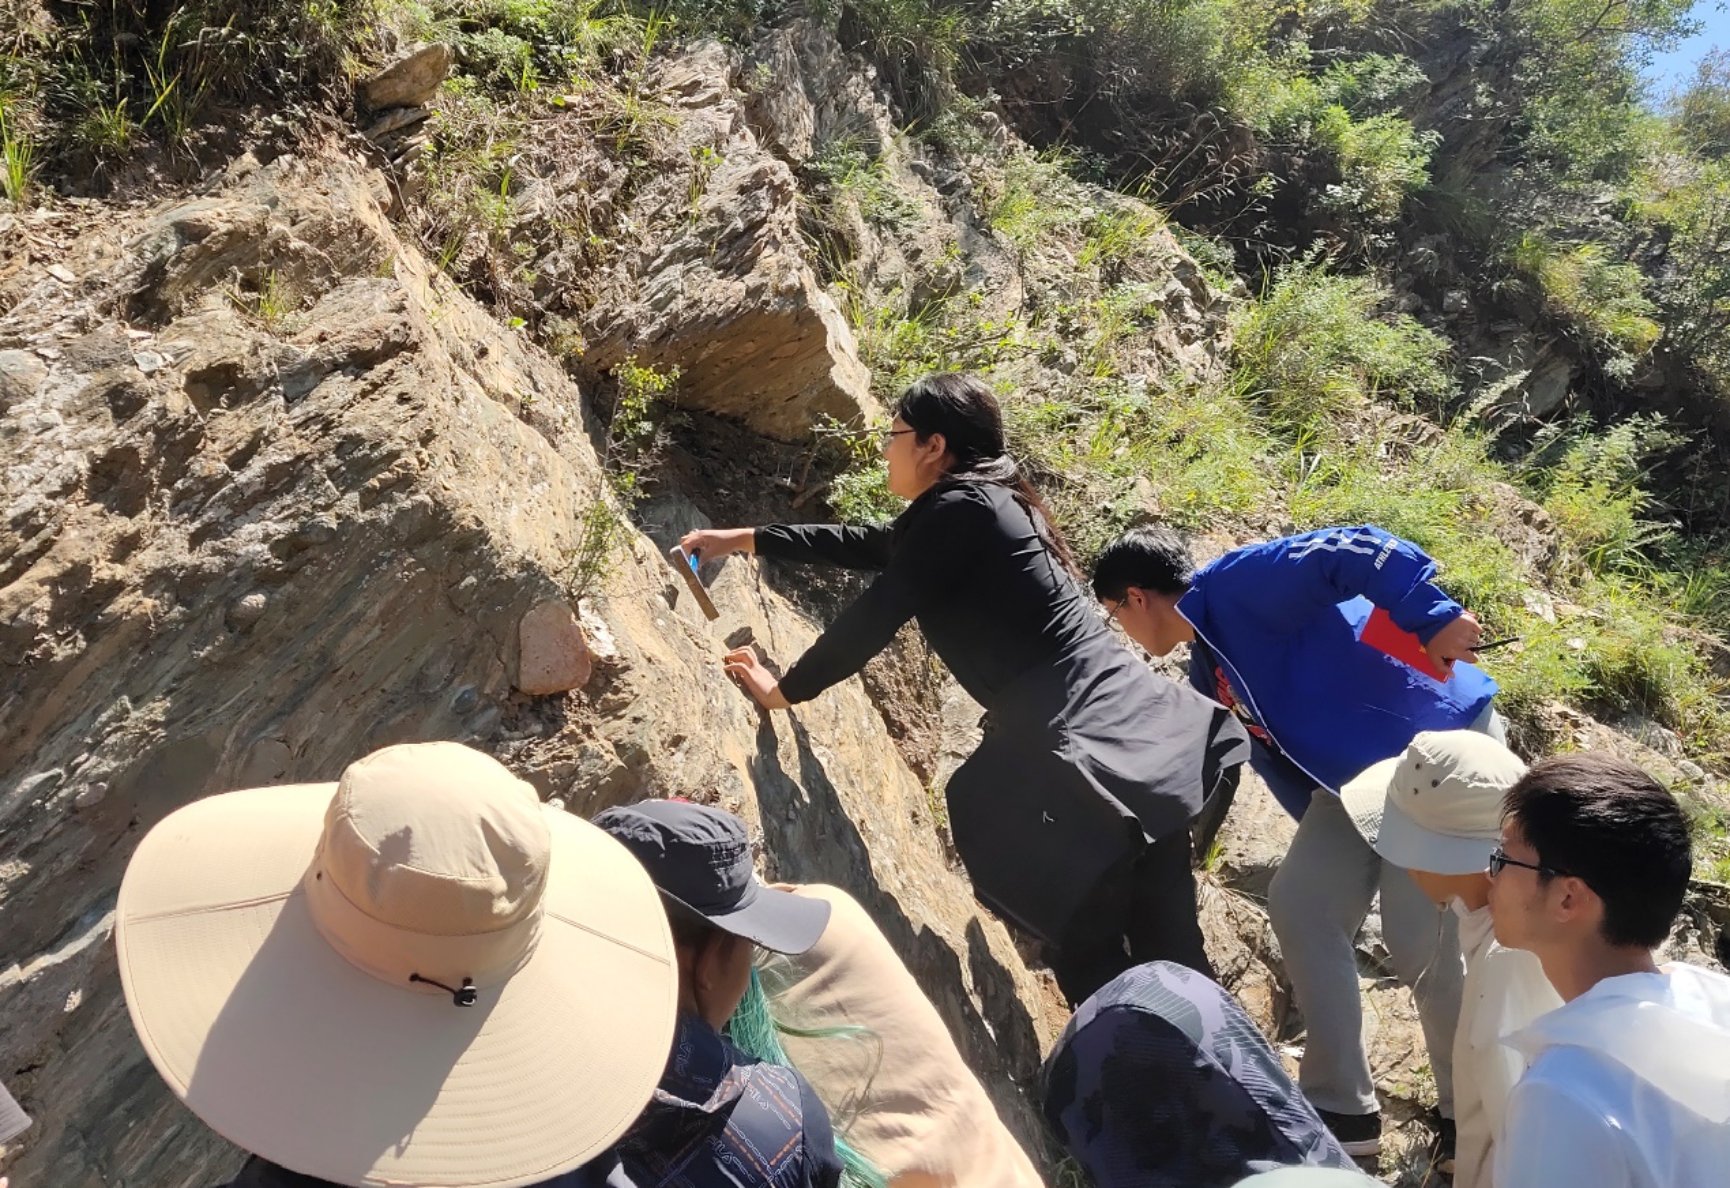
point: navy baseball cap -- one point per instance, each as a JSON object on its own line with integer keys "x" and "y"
{"x": 700, "y": 858}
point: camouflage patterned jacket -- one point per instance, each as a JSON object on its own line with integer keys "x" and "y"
{"x": 1162, "y": 1081}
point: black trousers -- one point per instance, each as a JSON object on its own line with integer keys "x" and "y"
{"x": 1142, "y": 910}
{"x": 1207, "y": 822}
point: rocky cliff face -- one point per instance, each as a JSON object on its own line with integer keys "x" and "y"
{"x": 244, "y": 548}
{"x": 277, "y": 492}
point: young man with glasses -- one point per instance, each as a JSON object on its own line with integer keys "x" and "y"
{"x": 1627, "y": 1084}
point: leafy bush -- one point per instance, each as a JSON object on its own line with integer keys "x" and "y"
{"x": 1168, "y": 51}
{"x": 1316, "y": 346}
{"x": 80, "y": 84}
{"x": 1032, "y": 196}
{"x": 859, "y": 493}
{"x": 17, "y": 159}
{"x": 1703, "y": 108}
{"x": 1121, "y": 238}
{"x": 1381, "y": 161}
{"x": 1595, "y": 497}
{"x": 1573, "y": 88}
{"x": 847, "y": 166}
{"x": 632, "y": 444}
{"x": 175, "y": 66}
{"x": 899, "y": 345}
{"x": 520, "y": 43}
{"x": 916, "y": 46}
{"x": 1603, "y": 299}
{"x": 1380, "y": 157}
{"x": 1687, "y": 206}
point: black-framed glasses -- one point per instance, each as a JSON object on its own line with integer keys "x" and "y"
{"x": 1110, "y": 606}
{"x": 890, "y": 435}
{"x": 1499, "y": 860}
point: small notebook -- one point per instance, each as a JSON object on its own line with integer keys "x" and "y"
{"x": 1384, "y": 636}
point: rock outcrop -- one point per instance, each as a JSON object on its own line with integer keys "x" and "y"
{"x": 705, "y": 269}
{"x": 249, "y": 540}
{"x": 408, "y": 82}
{"x": 278, "y": 493}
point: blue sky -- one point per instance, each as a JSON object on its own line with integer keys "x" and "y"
{"x": 1671, "y": 69}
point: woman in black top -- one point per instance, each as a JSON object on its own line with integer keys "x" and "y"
{"x": 1072, "y": 816}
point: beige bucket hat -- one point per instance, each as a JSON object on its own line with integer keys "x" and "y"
{"x": 1436, "y": 806}
{"x": 418, "y": 975}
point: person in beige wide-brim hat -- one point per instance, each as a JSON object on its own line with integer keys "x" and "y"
{"x": 418, "y": 975}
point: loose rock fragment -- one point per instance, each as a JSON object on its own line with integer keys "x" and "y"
{"x": 554, "y": 657}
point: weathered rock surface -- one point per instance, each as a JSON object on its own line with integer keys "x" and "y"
{"x": 707, "y": 271}
{"x": 805, "y": 93}
{"x": 286, "y": 544}
{"x": 410, "y": 81}
{"x": 245, "y": 544}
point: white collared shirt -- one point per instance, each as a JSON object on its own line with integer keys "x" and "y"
{"x": 1505, "y": 990}
{"x": 1628, "y": 1087}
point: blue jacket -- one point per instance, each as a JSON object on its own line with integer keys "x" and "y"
{"x": 1281, "y": 622}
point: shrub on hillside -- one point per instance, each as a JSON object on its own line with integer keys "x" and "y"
{"x": 1686, "y": 204}
{"x": 1595, "y": 496}
{"x": 1317, "y": 345}
{"x": 1380, "y": 157}
{"x": 916, "y": 46}
{"x": 83, "y": 84}
{"x": 1602, "y": 299}
{"x": 1703, "y": 108}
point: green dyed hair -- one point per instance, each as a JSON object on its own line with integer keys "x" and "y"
{"x": 757, "y": 1032}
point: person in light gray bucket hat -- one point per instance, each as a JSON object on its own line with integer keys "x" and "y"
{"x": 1435, "y": 810}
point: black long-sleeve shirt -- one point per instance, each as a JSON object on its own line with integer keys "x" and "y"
{"x": 1087, "y": 750}
{"x": 964, "y": 559}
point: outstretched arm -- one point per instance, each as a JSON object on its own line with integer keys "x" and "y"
{"x": 1284, "y": 582}
{"x": 851, "y": 546}
{"x": 930, "y": 560}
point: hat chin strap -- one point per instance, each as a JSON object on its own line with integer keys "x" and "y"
{"x": 418, "y": 962}
{"x": 464, "y": 995}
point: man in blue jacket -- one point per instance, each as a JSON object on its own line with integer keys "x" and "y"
{"x": 1335, "y": 647}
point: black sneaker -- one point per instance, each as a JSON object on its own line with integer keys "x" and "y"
{"x": 1359, "y": 1134}
{"x": 1444, "y": 1146}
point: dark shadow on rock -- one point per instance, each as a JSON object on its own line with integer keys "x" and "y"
{"x": 810, "y": 837}
{"x": 1005, "y": 1013}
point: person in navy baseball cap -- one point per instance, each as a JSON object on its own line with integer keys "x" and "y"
{"x": 721, "y": 1118}
{"x": 700, "y": 858}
